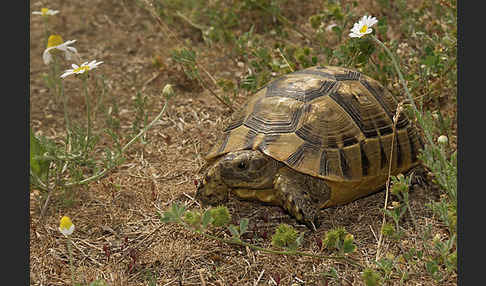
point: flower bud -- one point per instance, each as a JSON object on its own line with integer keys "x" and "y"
{"x": 442, "y": 139}
{"x": 168, "y": 91}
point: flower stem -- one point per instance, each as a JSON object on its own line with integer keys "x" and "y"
{"x": 46, "y": 30}
{"x": 52, "y": 80}
{"x": 88, "y": 128}
{"x": 70, "y": 259}
{"x": 64, "y": 99}
{"x": 403, "y": 82}
{"x": 145, "y": 129}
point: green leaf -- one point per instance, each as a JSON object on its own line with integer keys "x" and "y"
{"x": 38, "y": 165}
{"x": 168, "y": 217}
{"x": 234, "y": 231}
{"x": 285, "y": 236}
{"x": 348, "y": 244}
{"x": 371, "y": 277}
{"x": 221, "y": 216}
{"x": 177, "y": 210}
{"x": 451, "y": 261}
{"x": 332, "y": 273}
{"x": 243, "y": 225}
{"x": 431, "y": 60}
{"x": 332, "y": 238}
{"x": 432, "y": 267}
{"x": 206, "y": 218}
{"x": 193, "y": 218}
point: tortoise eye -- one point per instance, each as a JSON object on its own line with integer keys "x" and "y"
{"x": 242, "y": 165}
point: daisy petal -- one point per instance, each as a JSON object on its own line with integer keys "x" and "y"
{"x": 363, "y": 26}
{"x": 46, "y": 56}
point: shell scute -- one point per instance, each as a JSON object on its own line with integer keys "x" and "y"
{"x": 329, "y": 122}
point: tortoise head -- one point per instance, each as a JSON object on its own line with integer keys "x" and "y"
{"x": 244, "y": 172}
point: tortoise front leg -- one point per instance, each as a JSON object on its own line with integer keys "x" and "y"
{"x": 301, "y": 195}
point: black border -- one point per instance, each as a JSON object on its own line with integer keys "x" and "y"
{"x": 470, "y": 177}
{"x": 15, "y": 123}
{"x": 24, "y": 161}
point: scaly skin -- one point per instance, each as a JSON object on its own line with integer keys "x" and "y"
{"x": 252, "y": 175}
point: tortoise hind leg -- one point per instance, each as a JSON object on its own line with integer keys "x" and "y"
{"x": 301, "y": 195}
{"x": 419, "y": 177}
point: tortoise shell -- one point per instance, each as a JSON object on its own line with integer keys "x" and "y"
{"x": 329, "y": 122}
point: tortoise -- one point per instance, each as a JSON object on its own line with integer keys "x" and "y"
{"x": 311, "y": 139}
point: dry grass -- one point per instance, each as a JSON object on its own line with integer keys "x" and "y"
{"x": 123, "y": 220}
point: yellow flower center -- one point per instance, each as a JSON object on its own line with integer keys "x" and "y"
{"x": 363, "y": 29}
{"x": 81, "y": 69}
{"x": 44, "y": 11}
{"x": 66, "y": 223}
{"x": 54, "y": 40}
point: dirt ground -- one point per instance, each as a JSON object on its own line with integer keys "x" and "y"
{"x": 117, "y": 214}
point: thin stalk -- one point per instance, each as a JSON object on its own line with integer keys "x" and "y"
{"x": 403, "y": 82}
{"x": 88, "y": 128}
{"x": 387, "y": 192}
{"x": 66, "y": 117}
{"x": 145, "y": 128}
{"x": 52, "y": 80}
{"x": 46, "y": 29}
{"x": 201, "y": 82}
{"x": 101, "y": 97}
{"x": 285, "y": 59}
{"x": 68, "y": 242}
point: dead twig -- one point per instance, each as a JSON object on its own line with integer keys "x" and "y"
{"x": 387, "y": 192}
{"x": 203, "y": 282}
{"x": 259, "y": 277}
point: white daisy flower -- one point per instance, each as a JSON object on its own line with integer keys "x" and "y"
{"x": 81, "y": 69}
{"x": 66, "y": 226}
{"x": 55, "y": 42}
{"x": 363, "y": 27}
{"x": 45, "y": 12}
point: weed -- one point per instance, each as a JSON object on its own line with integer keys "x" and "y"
{"x": 285, "y": 236}
{"x": 339, "y": 239}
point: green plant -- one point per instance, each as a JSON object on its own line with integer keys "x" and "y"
{"x": 141, "y": 116}
{"x": 285, "y": 236}
{"x": 371, "y": 277}
{"x": 339, "y": 239}
{"x": 59, "y": 167}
